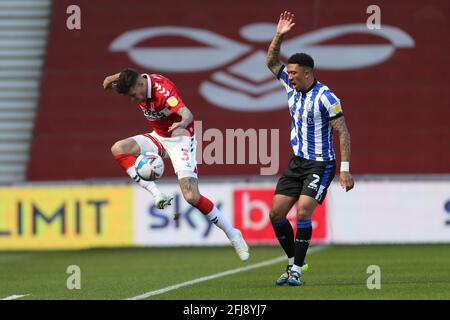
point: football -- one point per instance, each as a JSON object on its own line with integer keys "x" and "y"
{"x": 149, "y": 166}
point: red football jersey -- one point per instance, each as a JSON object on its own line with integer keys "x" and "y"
{"x": 163, "y": 101}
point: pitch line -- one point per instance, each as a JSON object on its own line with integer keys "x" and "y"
{"x": 15, "y": 296}
{"x": 219, "y": 275}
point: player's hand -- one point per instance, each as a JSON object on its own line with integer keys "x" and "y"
{"x": 178, "y": 129}
{"x": 176, "y": 125}
{"x": 346, "y": 181}
{"x": 110, "y": 82}
{"x": 285, "y": 23}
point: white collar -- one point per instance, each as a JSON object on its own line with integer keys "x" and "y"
{"x": 149, "y": 85}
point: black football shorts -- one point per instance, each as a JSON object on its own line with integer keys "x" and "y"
{"x": 307, "y": 177}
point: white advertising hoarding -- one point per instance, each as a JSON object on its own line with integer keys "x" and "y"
{"x": 154, "y": 227}
{"x": 390, "y": 212}
{"x": 373, "y": 212}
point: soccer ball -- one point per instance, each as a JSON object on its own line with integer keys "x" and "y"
{"x": 149, "y": 166}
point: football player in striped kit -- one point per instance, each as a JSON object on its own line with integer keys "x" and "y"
{"x": 315, "y": 111}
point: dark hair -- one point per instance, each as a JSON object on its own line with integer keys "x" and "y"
{"x": 302, "y": 59}
{"x": 127, "y": 79}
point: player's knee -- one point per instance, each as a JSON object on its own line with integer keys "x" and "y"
{"x": 191, "y": 197}
{"x": 126, "y": 146}
{"x": 303, "y": 213}
{"x": 117, "y": 148}
{"x": 274, "y": 216}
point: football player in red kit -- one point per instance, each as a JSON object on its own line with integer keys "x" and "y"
{"x": 173, "y": 137}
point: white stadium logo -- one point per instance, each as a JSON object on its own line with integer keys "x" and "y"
{"x": 247, "y": 85}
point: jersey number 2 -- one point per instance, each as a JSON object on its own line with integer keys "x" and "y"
{"x": 314, "y": 182}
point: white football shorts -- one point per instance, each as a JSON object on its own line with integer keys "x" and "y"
{"x": 181, "y": 150}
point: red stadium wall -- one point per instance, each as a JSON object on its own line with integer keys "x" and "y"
{"x": 393, "y": 90}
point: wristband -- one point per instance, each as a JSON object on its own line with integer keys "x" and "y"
{"x": 345, "y": 166}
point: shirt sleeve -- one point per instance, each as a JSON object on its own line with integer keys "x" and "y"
{"x": 169, "y": 97}
{"x": 284, "y": 78}
{"x": 332, "y": 104}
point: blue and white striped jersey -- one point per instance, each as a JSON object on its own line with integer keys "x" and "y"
{"x": 311, "y": 112}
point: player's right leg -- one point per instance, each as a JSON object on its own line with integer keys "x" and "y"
{"x": 281, "y": 205}
{"x": 126, "y": 151}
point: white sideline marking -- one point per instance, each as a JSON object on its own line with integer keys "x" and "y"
{"x": 219, "y": 275}
{"x": 16, "y": 296}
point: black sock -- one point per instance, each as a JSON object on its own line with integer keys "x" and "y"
{"x": 304, "y": 233}
{"x": 285, "y": 235}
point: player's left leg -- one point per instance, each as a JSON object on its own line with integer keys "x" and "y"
{"x": 182, "y": 153}
{"x": 306, "y": 206}
{"x": 189, "y": 187}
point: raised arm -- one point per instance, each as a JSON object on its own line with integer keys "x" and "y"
{"x": 273, "y": 54}
{"x": 345, "y": 178}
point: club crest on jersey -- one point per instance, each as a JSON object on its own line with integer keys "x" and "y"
{"x": 337, "y": 108}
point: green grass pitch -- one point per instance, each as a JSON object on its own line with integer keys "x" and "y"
{"x": 336, "y": 272}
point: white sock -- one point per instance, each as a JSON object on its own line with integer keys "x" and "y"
{"x": 150, "y": 186}
{"x": 291, "y": 261}
{"x": 216, "y": 217}
{"x": 297, "y": 268}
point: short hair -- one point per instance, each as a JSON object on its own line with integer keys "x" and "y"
{"x": 302, "y": 59}
{"x": 127, "y": 78}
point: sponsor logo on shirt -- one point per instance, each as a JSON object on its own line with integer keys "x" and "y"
{"x": 151, "y": 115}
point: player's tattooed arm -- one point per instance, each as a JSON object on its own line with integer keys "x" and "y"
{"x": 273, "y": 54}
{"x": 345, "y": 178}
{"x": 178, "y": 128}
{"x": 339, "y": 125}
{"x": 186, "y": 116}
